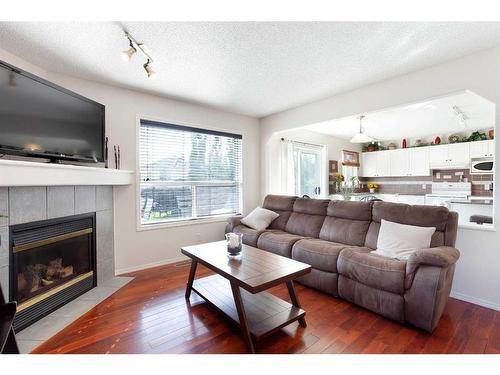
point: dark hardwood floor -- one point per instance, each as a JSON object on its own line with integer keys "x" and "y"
{"x": 150, "y": 315}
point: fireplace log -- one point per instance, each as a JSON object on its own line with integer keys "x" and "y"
{"x": 46, "y": 282}
{"x": 33, "y": 275}
{"x": 22, "y": 284}
{"x": 54, "y": 269}
{"x": 67, "y": 271}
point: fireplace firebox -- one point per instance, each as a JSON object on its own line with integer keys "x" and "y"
{"x": 52, "y": 262}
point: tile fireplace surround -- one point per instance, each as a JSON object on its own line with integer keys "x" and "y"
{"x": 27, "y": 204}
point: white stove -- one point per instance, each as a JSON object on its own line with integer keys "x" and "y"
{"x": 445, "y": 192}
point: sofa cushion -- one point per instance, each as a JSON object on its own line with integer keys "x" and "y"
{"x": 399, "y": 241}
{"x": 347, "y": 222}
{"x": 307, "y": 217}
{"x": 283, "y": 206}
{"x": 423, "y": 216}
{"x": 320, "y": 254}
{"x": 278, "y": 242}
{"x": 373, "y": 270}
{"x": 259, "y": 218}
{"x": 250, "y": 236}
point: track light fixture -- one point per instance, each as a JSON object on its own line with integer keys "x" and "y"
{"x": 151, "y": 73}
{"x": 135, "y": 47}
{"x": 460, "y": 115}
{"x": 128, "y": 53}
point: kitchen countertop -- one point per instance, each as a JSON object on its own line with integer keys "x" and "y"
{"x": 475, "y": 199}
{"x": 485, "y": 202}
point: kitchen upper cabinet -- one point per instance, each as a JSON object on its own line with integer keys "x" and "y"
{"x": 491, "y": 147}
{"x": 375, "y": 164}
{"x": 399, "y": 162}
{"x": 438, "y": 155}
{"x": 479, "y": 149}
{"x": 409, "y": 162}
{"x": 383, "y": 164}
{"x": 419, "y": 161}
{"x": 369, "y": 164}
{"x": 482, "y": 149}
{"x": 454, "y": 155}
{"x": 458, "y": 154}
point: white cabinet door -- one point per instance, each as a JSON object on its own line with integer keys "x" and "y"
{"x": 399, "y": 162}
{"x": 479, "y": 149}
{"x": 383, "y": 164}
{"x": 438, "y": 155}
{"x": 458, "y": 154}
{"x": 419, "y": 161}
{"x": 369, "y": 164}
{"x": 491, "y": 147}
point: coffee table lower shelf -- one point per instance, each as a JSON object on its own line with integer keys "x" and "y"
{"x": 265, "y": 313}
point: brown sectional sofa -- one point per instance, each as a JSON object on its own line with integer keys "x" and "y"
{"x": 337, "y": 237}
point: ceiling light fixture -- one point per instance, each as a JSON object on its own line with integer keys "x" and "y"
{"x": 127, "y": 54}
{"x": 361, "y": 137}
{"x": 461, "y": 116}
{"x": 151, "y": 73}
{"x": 135, "y": 46}
{"x": 12, "y": 79}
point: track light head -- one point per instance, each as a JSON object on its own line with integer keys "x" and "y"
{"x": 12, "y": 80}
{"x": 128, "y": 53}
{"x": 147, "y": 67}
{"x": 135, "y": 46}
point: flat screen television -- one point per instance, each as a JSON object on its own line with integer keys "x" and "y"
{"x": 41, "y": 119}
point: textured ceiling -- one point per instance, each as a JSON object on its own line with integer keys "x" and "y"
{"x": 417, "y": 120}
{"x": 253, "y": 68}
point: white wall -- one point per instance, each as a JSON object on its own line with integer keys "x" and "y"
{"x": 133, "y": 249}
{"x": 333, "y": 145}
{"x": 477, "y": 276}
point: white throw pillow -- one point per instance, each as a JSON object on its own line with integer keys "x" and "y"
{"x": 400, "y": 241}
{"x": 259, "y": 218}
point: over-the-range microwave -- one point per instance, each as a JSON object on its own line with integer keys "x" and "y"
{"x": 481, "y": 166}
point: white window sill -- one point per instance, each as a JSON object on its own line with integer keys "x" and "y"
{"x": 182, "y": 223}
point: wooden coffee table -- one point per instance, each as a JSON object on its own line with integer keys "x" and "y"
{"x": 237, "y": 289}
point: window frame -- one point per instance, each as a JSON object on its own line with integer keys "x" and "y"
{"x": 181, "y": 222}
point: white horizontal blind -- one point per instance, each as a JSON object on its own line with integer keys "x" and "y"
{"x": 188, "y": 173}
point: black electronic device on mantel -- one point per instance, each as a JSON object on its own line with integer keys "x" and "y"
{"x": 41, "y": 119}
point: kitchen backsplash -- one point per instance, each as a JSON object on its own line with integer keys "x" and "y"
{"x": 422, "y": 185}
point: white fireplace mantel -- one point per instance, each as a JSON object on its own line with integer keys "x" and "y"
{"x": 27, "y": 173}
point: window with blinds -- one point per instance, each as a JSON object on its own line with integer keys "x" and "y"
{"x": 188, "y": 173}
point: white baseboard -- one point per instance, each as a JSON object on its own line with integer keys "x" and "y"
{"x": 150, "y": 265}
{"x": 474, "y": 300}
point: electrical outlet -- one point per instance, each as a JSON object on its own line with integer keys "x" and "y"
{"x": 424, "y": 186}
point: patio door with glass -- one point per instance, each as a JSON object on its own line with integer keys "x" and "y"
{"x": 308, "y": 170}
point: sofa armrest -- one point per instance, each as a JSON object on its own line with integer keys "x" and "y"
{"x": 429, "y": 277}
{"x": 441, "y": 256}
{"x": 232, "y": 222}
